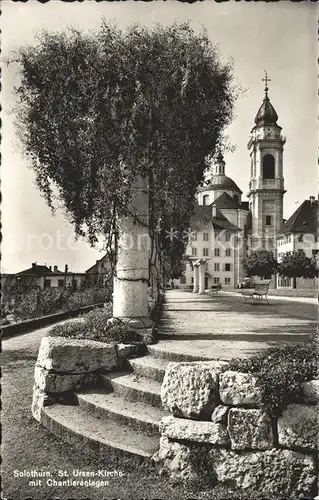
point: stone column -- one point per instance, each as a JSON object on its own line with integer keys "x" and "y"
{"x": 196, "y": 277}
{"x": 201, "y": 278}
{"x": 130, "y": 297}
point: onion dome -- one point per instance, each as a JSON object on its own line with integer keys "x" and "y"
{"x": 266, "y": 114}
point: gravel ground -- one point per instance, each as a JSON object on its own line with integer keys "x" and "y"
{"x": 27, "y": 446}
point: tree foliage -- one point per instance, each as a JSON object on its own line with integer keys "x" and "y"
{"x": 260, "y": 263}
{"x": 297, "y": 265}
{"x": 97, "y": 109}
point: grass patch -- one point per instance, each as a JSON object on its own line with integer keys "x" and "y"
{"x": 95, "y": 326}
{"x": 280, "y": 372}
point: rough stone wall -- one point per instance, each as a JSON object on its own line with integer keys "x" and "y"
{"x": 217, "y": 415}
{"x": 65, "y": 365}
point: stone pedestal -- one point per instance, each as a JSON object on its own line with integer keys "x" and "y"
{"x": 196, "y": 278}
{"x": 130, "y": 297}
{"x": 201, "y": 289}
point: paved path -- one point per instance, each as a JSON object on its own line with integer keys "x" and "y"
{"x": 225, "y": 327}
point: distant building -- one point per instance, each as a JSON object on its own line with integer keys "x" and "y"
{"x": 42, "y": 276}
{"x": 300, "y": 232}
{"x": 100, "y": 273}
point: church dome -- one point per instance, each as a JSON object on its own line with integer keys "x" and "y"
{"x": 222, "y": 182}
{"x": 266, "y": 114}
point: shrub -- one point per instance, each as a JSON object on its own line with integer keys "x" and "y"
{"x": 37, "y": 303}
{"x": 71, "y": 329}
{"x": 94, "y": 326}
{"x": 280, "y": 372}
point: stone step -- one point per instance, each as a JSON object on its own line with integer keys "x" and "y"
{"x": 163, "y": 353}
{"x": 149, "y": 367}
{"x": 133, "y": 387}
{"x": 134, "y": 414}
{"x": 105, "y": 438}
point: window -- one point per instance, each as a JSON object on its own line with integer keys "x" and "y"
{"x": 194, "y": 236}
{"x": 205, "y": 236}
{"x": 60, "y": 283}
{"x": 227, "y": 267}
{"x": 228, "y": 252}
{"x": 227, "y": 236}
{"x": 194, "y": 252}
{"x": 236, "y": 198}
{"x": 47, "y": 283}
{"x": 216, "y": 252}
{"x": 268, "y": 220}
{"x": 216, "y": 281}
{"x": 284, "y": 282}
{"x": 205, "y": 252}
{"x": 300, "y": 238}
{"x": 216, "y": 266}
{"x": 205, "y": 199}
{"x": 182, "y": 280}
{"x": 268, "y": 167}
{"x": 192, "y": 281}
{"x": 227, "y": 281}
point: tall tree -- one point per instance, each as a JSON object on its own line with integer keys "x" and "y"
{"x": 95, "y": 110}
{"x": 297, "y": 265}
{"x": 260, "y": 263}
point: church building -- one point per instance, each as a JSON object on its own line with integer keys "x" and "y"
{"x": 224, "y": 229}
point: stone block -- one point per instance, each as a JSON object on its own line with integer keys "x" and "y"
{"x": 39, "y": 400}
{"x": 66, "y": 355}
{"x": 194, "y": 430}
{"x": 180, "y": 461}
{"x": 190, "y": 390}
{"x": 220, "y": 413}
{"x": 238, "y": 389}
{"x": 282, "y": 472}
{"x": 51, "y": 382}
{"x": 298, "y": 427}
{"x": 249, "y": 429}
{"x": 310, "y": 392}
{"x": 127, "y": 351}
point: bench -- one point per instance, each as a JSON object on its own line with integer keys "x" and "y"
{"x": 258, "y": 293}
{"x": 215, "y": 289}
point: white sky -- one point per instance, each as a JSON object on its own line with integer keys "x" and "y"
{"x": 279, "y": 37}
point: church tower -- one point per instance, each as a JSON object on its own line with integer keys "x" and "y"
{"x": 266, "y": 186}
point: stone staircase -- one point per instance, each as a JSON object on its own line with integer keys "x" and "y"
{"x": 121, "y": 415}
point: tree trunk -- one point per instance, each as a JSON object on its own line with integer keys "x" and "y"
{"x": 294, "y": 282}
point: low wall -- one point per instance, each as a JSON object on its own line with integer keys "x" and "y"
{"x": 217, "y": 430}
{"x": 26, "y": 326}
{"x": 65, "y": 365}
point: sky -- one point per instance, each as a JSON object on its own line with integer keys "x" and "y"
{"x": 256, "y": 36}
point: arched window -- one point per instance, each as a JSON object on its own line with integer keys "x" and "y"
{"x": 268, "y": 167}
{"x": 205, "y": 199}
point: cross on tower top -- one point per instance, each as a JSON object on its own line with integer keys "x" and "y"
{"x": 266, "y": 80}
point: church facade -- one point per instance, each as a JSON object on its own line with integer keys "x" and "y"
{"x": 224, "y": 229}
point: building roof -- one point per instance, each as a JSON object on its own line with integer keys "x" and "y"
{"x": 225, "y": 201}
{"x": 266, "y": 114}
{"x": 303, "y": 220}
{"x": 204, "y": 213}
{"x": 36, "y": 270}
{"x": 221, "y": 182}
{"x": 102, "y": 259}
